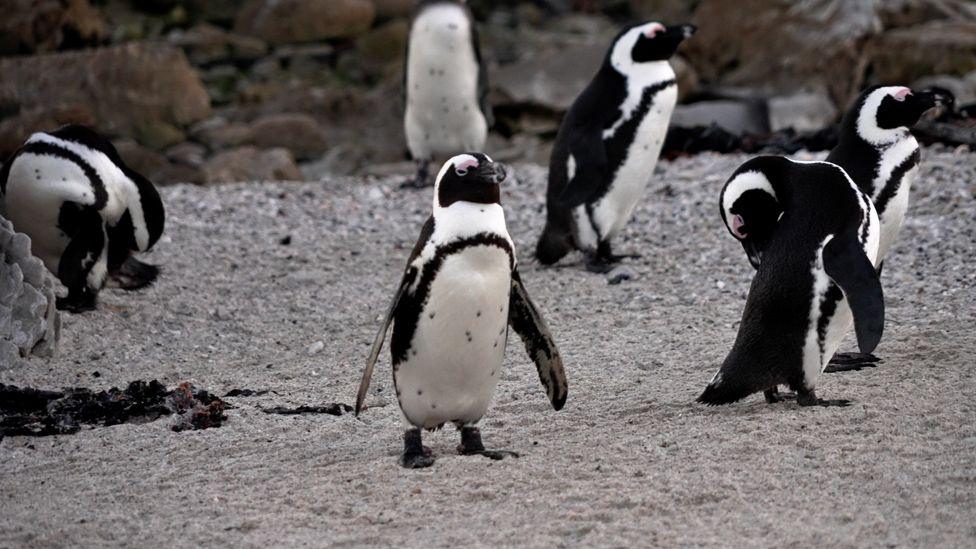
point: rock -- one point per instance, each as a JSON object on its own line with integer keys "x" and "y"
{"x": 29, "y": 322}
{"x": 187, "y": 153}
{"x": 206, "y": 44}
{"x": 299, "y": 133}
{"x": 32, "y": 26}
{"x": 218, "y": 134}
{"x": 380, "y": 52}
{"x": 161, "y": 169}
{"x": 740, "y": 117}
{"x": 147, "y": 91}
{"x": 669, "y": 12}
{"x": 803, "y": 111}
{"x": 937, "y": 47}
{"x": 550, "y": 79}
{"x": 251, "y": 164}
{"x": 14, "y": 130}
{"x": 686, "y": 76}
{"x": 291, "y": 21}
{"x": 621, "y": 273}
{"x": 388, "y": 9}
{"x": 778, "y": 50}
{"x": 907, "y": 13}
{"x": 315, "y": 348}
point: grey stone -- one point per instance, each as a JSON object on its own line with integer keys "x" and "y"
{"x": 29, "y": 321}
{"x": 740, "y": 117}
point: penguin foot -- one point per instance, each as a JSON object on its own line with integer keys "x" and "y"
{"x": 847, "y": 362}
{"x": 809, "y": 398}
{"x": 773, "y": 396}
{"x": 133, "y": 275}
{"x": 415, "y": 454}
{"x": 471, "y": 445}
{"x": 76, "y": 302}
{"x": 421, "y": 179}
{"x": 596, "y": 264}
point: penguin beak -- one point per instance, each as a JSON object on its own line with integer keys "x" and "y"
{"x": 686, "y": 30}
{"x": 753, "y": 252}
{"x": 495, "y": 173}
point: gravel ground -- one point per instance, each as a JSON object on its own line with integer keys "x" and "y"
{"x": 631, "y": 460}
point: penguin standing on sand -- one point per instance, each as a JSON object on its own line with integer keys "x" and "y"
{"x": 609, "y": 143}
{"x": 459, "y": 294}
{"x": 817, "y": 269}
{"x": 445, "y": 85}
{"x": 85, "y": 211}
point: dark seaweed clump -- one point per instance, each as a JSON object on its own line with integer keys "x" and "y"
{"x": 36, "y": 412}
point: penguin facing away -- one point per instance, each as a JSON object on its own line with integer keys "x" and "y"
{"x": 817, "y": 270}
{"x": 445, "y": 84}
{"x": 85, "y": 211}
{"x": 608, "y": 145}
{"x": 459, "y": 294}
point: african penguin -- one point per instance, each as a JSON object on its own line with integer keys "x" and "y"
{"x": 445, "y": 85}
{"x": 85, "y": 211}
{"x": 817, "y": 269}
{"x": 879, "y": 153}
{"x": 608, "y": 145}
{"x": 459, "y": 294}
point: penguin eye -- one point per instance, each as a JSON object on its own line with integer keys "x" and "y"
{"x": 461, "y": 171}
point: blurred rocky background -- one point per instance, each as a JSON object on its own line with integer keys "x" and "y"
{"x": 207, "y": 91}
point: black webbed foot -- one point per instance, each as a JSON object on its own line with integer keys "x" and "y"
{"x": 77, "y": 301}
{"x": 421, "y": 179}
{"x": 133, "y": 274}
{"x": 471, "y": 445}
{"x": 848, "y": 362}
{"x": 809, "y": 398}
{"x": 415, "y": 454}
{"x": 596, "y": 264}
{"x": 773, "y": 395}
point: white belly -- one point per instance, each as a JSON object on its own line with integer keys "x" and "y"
{"x": 457, "y": 352}
{"x": 894, "y": 214}
{"x": 36, "y": 189}
{"x": 614, "y": 209}
{"x": 443, "y": 116}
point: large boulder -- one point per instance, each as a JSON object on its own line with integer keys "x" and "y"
{"x": 144, "y": 90}
{"x": 291, "y": 21}
{"x": 779, "y": 47}
{"x": 299, "y": 133}
{"x": 251, "y": 164}
{"x": 29, "y": 322}
{"x": 31, "y": 26}
{"x": 937, "y": 47}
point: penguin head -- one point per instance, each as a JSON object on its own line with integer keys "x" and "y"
{"x": 153, "y": 212}
{"x": 749, "y": 204}
{"x": 647, "y": 42}
{"x": 469, "y": 177}
{"x": 884, "y": 113}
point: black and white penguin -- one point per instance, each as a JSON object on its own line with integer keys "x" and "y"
{"x": 609, "y": 143}
{"x": 816, "y": 270}
{"x": 445, "y": 85}
{"x": 85, "y": 211}
{"x": 459, "y": 294}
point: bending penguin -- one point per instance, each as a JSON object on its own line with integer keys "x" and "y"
{"x": 609, "y": 143}
{"x": 445, "y": 85}
{"x": 459, "y": 294}
{"x": 85, "y": 211}
{"x": 817, "y": 269}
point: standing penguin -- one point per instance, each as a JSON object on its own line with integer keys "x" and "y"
{"x": 817, "y": 268}
{"x": 460, "y": 292}
{"x": 609, "y": 143}
{"x": 445, "y": 85}
{"x": 85, "y": 211}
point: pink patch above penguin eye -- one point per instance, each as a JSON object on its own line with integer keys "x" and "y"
{"x": 653, "y": 30}
{"x": 463, "y": 167}
{"x": 901, "y": 94}
{"x": 737, "y": 224}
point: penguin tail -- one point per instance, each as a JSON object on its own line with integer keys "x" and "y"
{"x": 725, "y": 389}
{"x": 134, "y": 274}
{"x": 553, "y": 245}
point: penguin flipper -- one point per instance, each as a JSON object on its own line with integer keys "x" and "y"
{"x": 409, "y": 274}
{"x": 848, "y": 266}
{"x": 528, "y": 323}
{"x": 588, "y": 153}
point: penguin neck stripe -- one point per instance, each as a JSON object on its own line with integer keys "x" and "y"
{"x": 894, "y": 182}
{"x": 43, "y": 148}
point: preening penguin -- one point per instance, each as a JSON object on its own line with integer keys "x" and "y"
{"x": 816, "y": 269}
{"x": 459, "y": 294}
{"x": 85, "y": 211}
{"x": 445, "y": 85}
{"x": 609, "y": 143}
